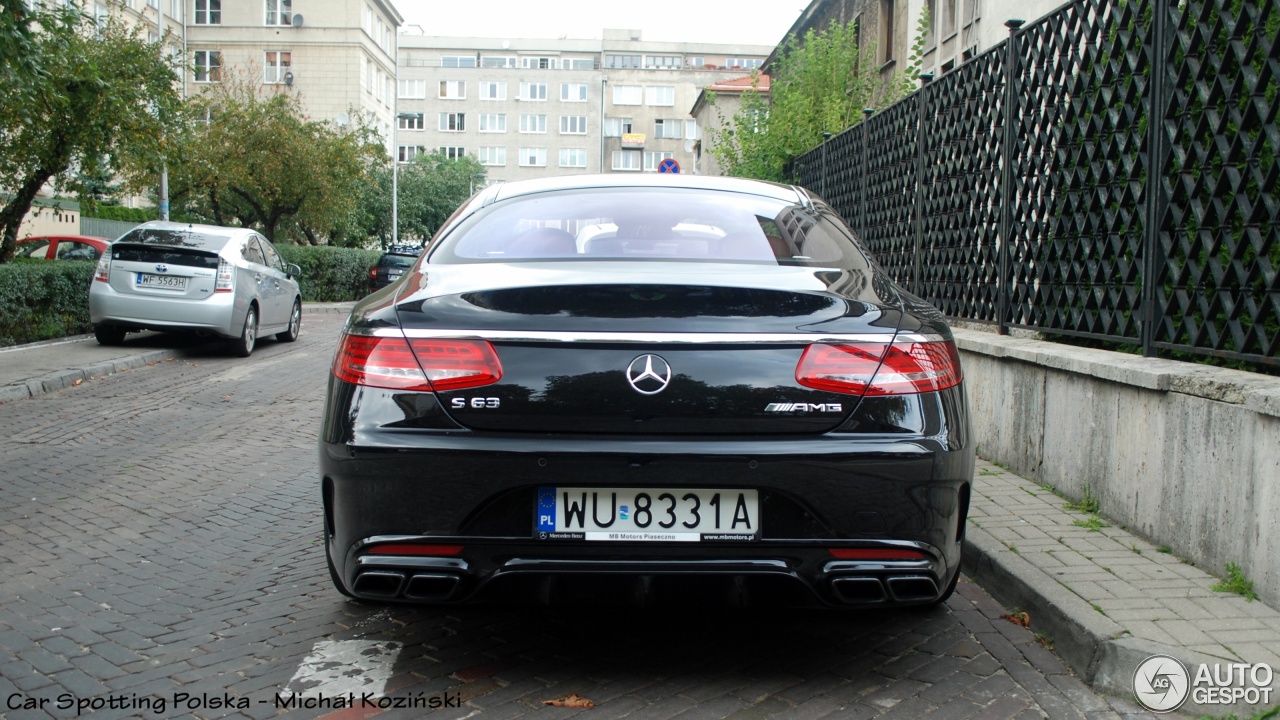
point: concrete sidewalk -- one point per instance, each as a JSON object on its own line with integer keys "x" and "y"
{"x": 1104, "y": 598}
{"x": 30, "y": 370}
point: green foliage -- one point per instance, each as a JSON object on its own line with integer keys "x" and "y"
{"x": 331, "y": 274}
{"x": 1087, "y": 504}
{"x": 93, "y": 98}
{"x": 117, "y": 212}
{"x": 820, "y": 84}
{"x": 1236, "y": 583}
{"x": 258, "y": 162}
{"x": 430, "y": 189}
{"x": 43, "y": 300}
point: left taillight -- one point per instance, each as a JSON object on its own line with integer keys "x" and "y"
{"x": 878, "y": 369}
{"x": 102, "y": 273}
{"x": 418, "y": 364}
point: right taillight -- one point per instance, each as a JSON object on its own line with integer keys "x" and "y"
{"x": 102, "y": 273}
{"x": 899, "y": 368}
{"x": 226, "y": 280}
{"x": 419, "y": 364}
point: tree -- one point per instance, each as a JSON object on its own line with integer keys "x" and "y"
{"x": 249, "y": 157}
{"x": 430, "y": 189}
{"x": 88, "y": 97}
{"x": 816, "y": 86}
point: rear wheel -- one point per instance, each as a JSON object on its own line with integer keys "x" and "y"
{"x": 295, "y": 324}
{"x": 243, "y": 346}
{"x": 108, "y": 334}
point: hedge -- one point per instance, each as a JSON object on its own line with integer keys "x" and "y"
{"x": 40, "y": 300}
{"x": 118, "y": 212}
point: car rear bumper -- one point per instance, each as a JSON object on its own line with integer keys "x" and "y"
{"x": 219, "y": 313}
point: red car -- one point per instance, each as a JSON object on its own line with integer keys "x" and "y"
{"x": 62, "y": 247}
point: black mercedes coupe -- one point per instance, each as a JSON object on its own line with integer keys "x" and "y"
{"x": 646, "y": 388}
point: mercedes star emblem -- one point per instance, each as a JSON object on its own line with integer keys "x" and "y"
{"x": 649, "y": 374}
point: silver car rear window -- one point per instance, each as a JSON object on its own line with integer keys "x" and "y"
{"x": 176, "y": 237}
{"x": 167, "y": 255}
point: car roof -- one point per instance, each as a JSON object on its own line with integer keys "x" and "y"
{"x": 76, "y": 238}
{"x": 211, "y": 237}
{"x": 516, "y": 188}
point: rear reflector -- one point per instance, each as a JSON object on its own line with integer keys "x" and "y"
{"x": 102, "y": 273}
{"x": 876, "y": 369}
{"x": 877, "y": 554}
{"x": 418, "y": 364}
{"x": 413, "y": 549}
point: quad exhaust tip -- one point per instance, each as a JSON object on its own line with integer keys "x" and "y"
{"x": 393, "y": 584}
{"x": 871, "y": 590}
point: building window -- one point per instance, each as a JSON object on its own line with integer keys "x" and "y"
{"x": 626, "y": 159}
{"x": 207, "y": 66}
{"x": 407, "y": 153}
{"x": 415, "y": 121}
{"x": 665, "y": 62}
{"x": 453, "y": 90}
{"x": 622, "y": 61}
{"x": 537, "y": 63}
{"x": 498, "y": 61}
{"x": 453, "y": 122}
{"x": 573, "y": 124}
{"x": 573, "y": 158}
{"x": 278, "y": 12}
{"x": 886, "y": 30}
{"x": 660, "y": 95}
{"x": 533, "y": 157}
{"x": 616, "y": 127}
{"x": 743, "y": 63}
{"x": 628, "y": 95}
{"x": 412, "y": 89}
{"x": 573, "y": 92}
{"x": 208, "y": 12}
{"x": 493, "y": 91}
{"x": 368, "y": 21}
{"x": 533, "y": 123}
{"x": 493, "y": 123}
{"x": 496, "y": 156}
{"x": 651, "y": 160}
{"x": 695, "y": 61}
{"x": 277, "y": 64}
{"x": 453, "y": 153}
{"x": 666, "y": 128}
{"x": 533, "y": 91}
{"x": 578, "y": 64}
{"x": 458, "y": 61}
{"x": 691, "y": 130}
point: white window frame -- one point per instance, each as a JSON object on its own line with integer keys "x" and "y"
{"x": 624, "y": 125}
{"x": 614, "y": 61}
{"x": 407, "y": 153}
{"x": 660, "y": 95}
{"x": 668, "y": 128}
{"x": 663, "y": 62}
{"x": 573, "y": 124}
{"x": 212, "y": 66}
{"x": 493, "y": 122}
{"x": 542, "y": 62}
{"x": 653, "y": 157}
{"x": 533, "y": 91}
{"x": 533, "y": 157}
{"x": 280, "y": 16}
{"x": 632, "y": 160}
{"x": 533, "y": 124}
{"x": 452, "y": 152}
{"x": 628, "y": 95}
{"x": 453, "y": 90}
{"x": 499, "y": 61}
{"x": 578, "y": 64}
{"x": 413, "y": 121}
{"x": 453, "y": 122}
{"x": 573, "y": 92}
{"x": 274, "y": 72}
{"x": 458, "y": 61}
{"x": 208, "y": 12}
{"x": 493, "y": 90}
{"x": 493, "y": 156}
{"x": 573, "y": 157}
{"x": 413, "y": 89}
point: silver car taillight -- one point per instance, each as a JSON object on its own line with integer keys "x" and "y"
{"x": 103, "y": 272}
{"x": 226, "y": 277}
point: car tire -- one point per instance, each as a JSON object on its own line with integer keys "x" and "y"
{"x": 243, "y": 346}
{"x": 295, "y": 324}
{"x": 108, "y": 334}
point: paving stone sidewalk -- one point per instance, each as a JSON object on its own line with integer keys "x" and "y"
{"x": 1107, "y": 597}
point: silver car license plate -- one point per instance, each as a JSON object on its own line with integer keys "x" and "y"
{"x": 646, "y": 514}
{"x": 168, "y": 282}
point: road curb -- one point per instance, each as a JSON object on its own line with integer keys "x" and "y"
{"x": 61, "y": 379}
{"x": 1100, "y": 651}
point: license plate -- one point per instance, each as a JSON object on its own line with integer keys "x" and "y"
{"x": 646, "y": 514}
{"x": 171, "y": 282}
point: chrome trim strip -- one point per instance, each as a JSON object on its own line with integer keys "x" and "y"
{"x": 643, "y": 337}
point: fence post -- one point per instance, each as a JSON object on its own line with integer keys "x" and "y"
{"x": 921, "y": 154}
{"x": 822, "y": 183}
{"x": 1155, "y": 177}
{"x": 1007, "y": 195}
{"x": 862, "y": 181}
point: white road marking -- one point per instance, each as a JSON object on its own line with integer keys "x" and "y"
{"x": 338, "y": 667}
{"x": 243, "y": 369}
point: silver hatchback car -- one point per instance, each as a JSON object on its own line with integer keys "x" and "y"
{"x": 228, "y": 282}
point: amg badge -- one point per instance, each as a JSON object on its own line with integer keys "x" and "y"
{"x": 803, "y": 407}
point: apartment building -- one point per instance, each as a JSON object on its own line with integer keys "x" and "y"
{"x": 535, "y": 107}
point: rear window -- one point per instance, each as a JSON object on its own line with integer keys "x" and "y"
{"x": 167, "y": 255}
{"x": 178, "y": 238}
{"x": 396, "y": 261}
{"x": 647, "y": 224}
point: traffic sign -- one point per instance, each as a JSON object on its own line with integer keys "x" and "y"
{"x": 669, "y": 165}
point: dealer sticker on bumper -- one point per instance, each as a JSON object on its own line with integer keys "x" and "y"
{"x": 646, "y": 514}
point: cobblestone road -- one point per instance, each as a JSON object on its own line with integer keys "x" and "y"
{"x": 159, "y": 539}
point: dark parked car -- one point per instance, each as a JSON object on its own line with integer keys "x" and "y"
{"x": 674, "y": 386}
{"x": 391, "y": 265}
